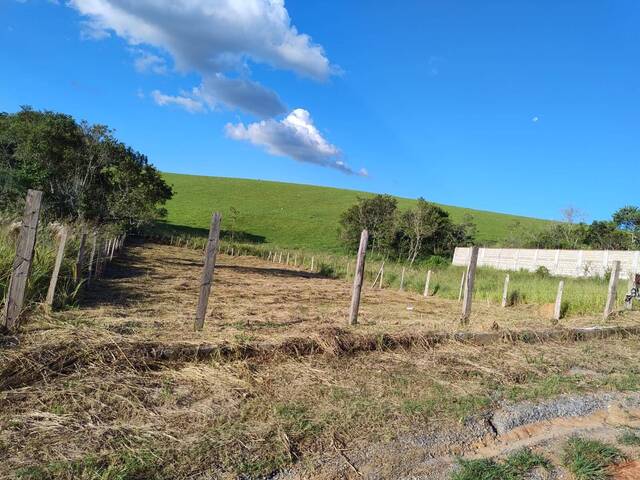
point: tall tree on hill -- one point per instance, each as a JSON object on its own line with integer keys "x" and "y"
{"x": 377, "y": 215}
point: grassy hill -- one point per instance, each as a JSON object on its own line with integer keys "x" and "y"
{"x": 293, "y": 215}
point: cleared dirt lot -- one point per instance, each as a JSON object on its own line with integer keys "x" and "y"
{"x": 84, "y": 391}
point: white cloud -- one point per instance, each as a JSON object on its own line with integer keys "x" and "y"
{"x": 148, "y": 62}
{"x": 189, "y": 104}
{"x": 214, "y": 38}
{"x": 535, "y": 119}
{"x": 296, "y": 137}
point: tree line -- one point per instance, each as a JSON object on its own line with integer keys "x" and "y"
{"x": 86, "y": 174}
{"x": 621, "y": 232}
{"x": 417, "y": 233}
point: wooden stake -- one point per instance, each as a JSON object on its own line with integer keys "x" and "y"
{"x": 468, "y": 288}
{"x": 312, "y": 263}
{"x": 358, "y": 278}
{"x": 463, "y": 281}
{"x": 22, "y": 262}
{"x": 381, "y": 275}
{"x": 402, "y": 280}
{"x": 92, "y": 257}
{"x": 426, "y": 284}
{"x": 557, "y": 309}
{"x": 505, "y": 291}
{"x": 80, "y": 258}
{"x": 380, "y": 271}
{"x": 207, "y": 271}
{"x": 613, "y": 290}
{"x": 56, "y": 268}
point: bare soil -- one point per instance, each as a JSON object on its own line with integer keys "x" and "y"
{"x": 93, "y": 390}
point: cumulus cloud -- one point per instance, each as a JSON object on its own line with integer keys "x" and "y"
{"x": 215, "y": 38}
{"x": 296, "y": 137}
{"x": 189, "y": 104}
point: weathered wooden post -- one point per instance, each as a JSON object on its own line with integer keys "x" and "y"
{"x": 80, "y": 259}
{"x": 557, "y": 309}
{"x": 402, "y": 279}
{"x": 207, "y": 272}
{"x": 426, "y": 284}
{"x": 92, "y": 257}
{"x": 505, "y": 291}
{"x": 463, "y": 281}
{"x": 613, "y": 290}
{"x": 358, "y": 278}
{"x": 313, "y": 259}
{"x": 22, "y": 262}
{"x": 468, "y": 288}
{"x": 381, "y": 275}
{"x": 56, "y": 268}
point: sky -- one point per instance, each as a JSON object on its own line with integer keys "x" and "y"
{"x": 522, "y": 107}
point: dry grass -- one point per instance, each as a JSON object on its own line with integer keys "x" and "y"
{"x": 84, "y": 396}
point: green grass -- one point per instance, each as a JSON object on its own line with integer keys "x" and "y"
{"x": 630, "y": 438}
{"x": 590, "y": 459}
{"x": 295, "y": 216}
{"x": 515, "y": 467}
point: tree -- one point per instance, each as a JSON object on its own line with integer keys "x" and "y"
{"x": 419, "y": 228}
{"x": 628, "y": 219}
{"x": 84, "y": 171}
{"x": 377, "y": 215}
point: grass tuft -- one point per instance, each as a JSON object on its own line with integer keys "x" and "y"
{"x": 515, "y": 467}
{"x": 590, "y": 459}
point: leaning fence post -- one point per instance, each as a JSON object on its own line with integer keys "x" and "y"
{"x": 80, "y": 259}
{"x": 613, "y": 290}
{"x": 56, "y": 268}
{"x": 207, "y": 272}
{"x": 505, "y": 291}
{"x": 426, "y": 284}
{"x": 92, "y": 257}
{"x": 468, "y": 288}
{"x": 358, "y": 278}
{"x": 463, "y": 281}
{"x": 557, "y": 309}
{"x": 22, "y": 262}
{"x": 402, "y": 279}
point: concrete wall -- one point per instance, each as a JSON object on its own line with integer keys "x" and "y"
{"x": 568, "y": 263}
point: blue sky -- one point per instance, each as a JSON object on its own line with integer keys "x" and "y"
{"x": 522, "y": 106}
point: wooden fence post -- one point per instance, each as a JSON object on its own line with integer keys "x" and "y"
{"x": 313, "y": 259}
{"x": 358, "y": 278}
{"x": 92, "y": 257}
{"x": 557, "y": 309}
{"x": 631, "y": 284}
{"x": 505, "y": 291}
{"x": 468, "y": 288}
{"x": 426, "y": 284}
{"x": 381, "y": 275}
{"x": 80, "y": 259}
{"x": 207, "y": 272}
{"x": 56, "y": 268}
{"x": 463, "y": 282}
{"x": 22, "y": 262}
{"x": 613, "y": 290}
{"x": 402, "y": 279}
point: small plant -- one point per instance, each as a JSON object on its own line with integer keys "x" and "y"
{"x": 543, "y": 272}
{"x": 590, "y": 459}
{"x": 630, "y": 438}
{"x": 516, "y": 466}
{"x": 326, "y": 270}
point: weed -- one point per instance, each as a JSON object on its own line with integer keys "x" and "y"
{"x": 515, "y": 467}
{"x": 590, "y": 459}
{"x": 630, "y": 438}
